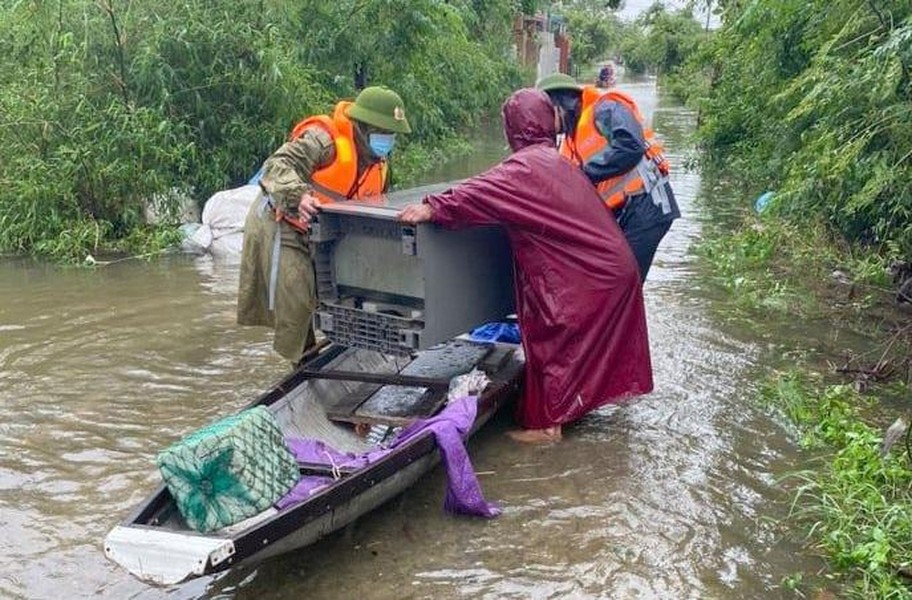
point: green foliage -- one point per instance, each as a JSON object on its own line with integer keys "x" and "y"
{"x": 815, "y": 99}
{"x": 691, "y": 81}
{"x": 528, "y": 7}
{"x": 772, "y": 264}
{"x": 857, "y": 505}
{"x": 74, "y": 239}
{"x": 671, "y": 37}
{"x": 677, "y": 48}
{"x": 150, "y": 240}
{"x": 632, "y": 48}
{"x": 108, "y": 104}
{"x": 595, "y": 32}
{"x": 413, "y": 160}
{"x": 747, "y": 262}
{"x": 589, "y": 5}
{"x": 422, "y": 49}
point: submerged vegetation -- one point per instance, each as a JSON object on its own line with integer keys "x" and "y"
{"x": 811, "y": 100}
{"x": 856, "y": 500}
{"x": 854, "y": 503}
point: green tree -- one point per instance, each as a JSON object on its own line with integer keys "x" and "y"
{"x": 109, "y": 104}
{"x": 813, "y": 99}
{"x": 671, "y": 37}
{"x": 594, "y": 29}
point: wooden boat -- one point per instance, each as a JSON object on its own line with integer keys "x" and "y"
{"x": 352, "y": 400}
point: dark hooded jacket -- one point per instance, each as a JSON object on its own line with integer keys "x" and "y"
{"x": 578, "y": 294}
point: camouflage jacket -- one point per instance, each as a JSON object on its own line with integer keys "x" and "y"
{"x": 288, "y": 171}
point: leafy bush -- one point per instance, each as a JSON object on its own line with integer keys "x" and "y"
{"x": 108, "y": 104}
{"x": 814, "y": 98}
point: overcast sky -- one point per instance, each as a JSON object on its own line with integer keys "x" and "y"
{"x": 634, "y": 7}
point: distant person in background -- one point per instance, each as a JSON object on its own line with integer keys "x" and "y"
{"x": 607, "y": 76}
{"x": 606, "y": 136}
{"x": 578, "y": 293}
{"x": 327, "y": 158}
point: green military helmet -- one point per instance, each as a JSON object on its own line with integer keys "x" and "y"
{"x": 558, "y": 81}
{"x": 381, "y": 107}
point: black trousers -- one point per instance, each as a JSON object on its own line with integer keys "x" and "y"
{"x": 644, "y": 227}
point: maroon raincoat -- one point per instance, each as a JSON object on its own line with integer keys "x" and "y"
{"x": 578, "y": 294}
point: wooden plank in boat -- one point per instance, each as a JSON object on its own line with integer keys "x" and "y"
{"x": 495, "y": 360}
{"x": 377, "y": 378}
{"x": 448, "y": 360}
{"x": 343, "y": 409}
{"x": 396, "y": 404}
{"x": 418, "y": 391}
{"x": 392, "y": 404}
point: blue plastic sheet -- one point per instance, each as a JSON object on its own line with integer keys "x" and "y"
{"x": 496, "y": 332}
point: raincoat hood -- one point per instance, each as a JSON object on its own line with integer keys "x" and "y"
{"x": 528, "y": 117}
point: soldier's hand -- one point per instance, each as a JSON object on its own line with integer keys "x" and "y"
{"x": 308, "y": 206}
{"x": 416, "y": 213}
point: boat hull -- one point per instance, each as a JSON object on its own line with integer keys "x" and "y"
{"x": 155, "y": 546}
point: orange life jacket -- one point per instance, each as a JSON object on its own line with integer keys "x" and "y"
{"x": 341, "y": 176}
{"x": 587, "y": 141}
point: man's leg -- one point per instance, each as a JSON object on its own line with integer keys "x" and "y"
{"x": 643, "y": 231}
{"x": 644, "y": 242}
{"x": 295, "y": 297}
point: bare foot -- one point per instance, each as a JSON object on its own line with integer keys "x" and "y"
{"x": 537, "y": 436}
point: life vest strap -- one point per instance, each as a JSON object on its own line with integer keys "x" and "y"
{"x": 652, "y": 178}
{"x": 622, "y": 182}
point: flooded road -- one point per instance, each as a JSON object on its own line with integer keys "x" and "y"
{"x": 673, "y": 496}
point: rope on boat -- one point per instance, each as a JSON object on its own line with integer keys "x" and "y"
{"x": 334, "y": 468}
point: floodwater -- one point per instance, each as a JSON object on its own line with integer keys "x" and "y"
{"x": 674, "y": 496}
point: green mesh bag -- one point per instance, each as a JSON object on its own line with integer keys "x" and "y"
{"x": 230, "y": 470}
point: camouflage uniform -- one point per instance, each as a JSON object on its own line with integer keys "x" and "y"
{"x": 285, "y": 179}
{"x": 287, "y": 176}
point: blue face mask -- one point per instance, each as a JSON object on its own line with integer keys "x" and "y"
{"x": 382, "y": 143}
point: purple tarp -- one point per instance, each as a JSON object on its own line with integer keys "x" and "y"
{"x": 450, "y": 427}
